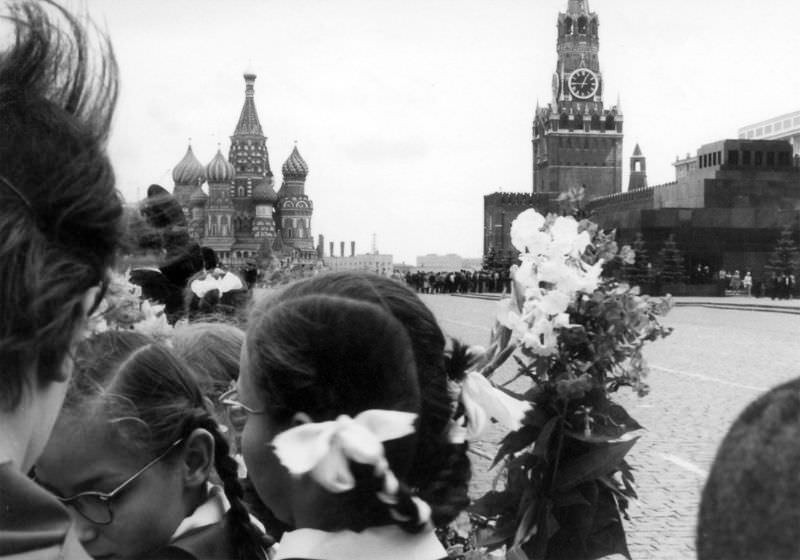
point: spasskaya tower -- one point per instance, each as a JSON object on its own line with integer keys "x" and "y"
{"x": 575, "y": 140}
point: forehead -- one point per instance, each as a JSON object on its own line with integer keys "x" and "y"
{"x": 79, "y": 451}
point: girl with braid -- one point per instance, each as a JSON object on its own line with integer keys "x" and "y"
{"x": 132, "y": 454}
{"x": 335, "y": 418}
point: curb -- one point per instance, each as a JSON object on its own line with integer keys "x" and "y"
{"x": 786, "y": 309}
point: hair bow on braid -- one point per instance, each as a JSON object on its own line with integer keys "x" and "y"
{"x": 323, "y": 450}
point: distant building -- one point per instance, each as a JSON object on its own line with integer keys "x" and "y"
{"x": 784, "y": 127}
{"x": 242, "y": 217}
{"x": 371, "y": 262}
{"x": 446, "y": 263}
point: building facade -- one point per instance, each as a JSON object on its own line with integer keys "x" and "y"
{"x": 576, "y": 140}
{"x": 242, "y": 217}
{"x": 783, "y": 127}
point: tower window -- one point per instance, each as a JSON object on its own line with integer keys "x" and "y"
{"x": 733, "y": 157}
{"x": 771, "y": 159}
{"x": 759, "y": 158}
{"x": 746, "y": 157}
{"x": 582, "y": 26}
{"x": 568, "y": 26}
{"x": 610, "y": 122}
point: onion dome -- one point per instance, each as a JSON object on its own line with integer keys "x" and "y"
{"x": 219, "y": 170}
{"x": 189, "y": 170}
{"x": 198, "y": 197}
{"x": 264, "y": 193}
{"x": 295, "y": 167}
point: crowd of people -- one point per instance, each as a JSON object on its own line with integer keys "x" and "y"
{"x": 459, "y": 282}
{"x": 324, "y": 421}
{"x": 321, "y": 427}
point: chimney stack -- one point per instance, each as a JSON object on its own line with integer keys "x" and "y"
{"x": 352, "y": 248}
{"x": 341, "y": 248}
{"x": 331, "y": 247}
{"x": 321, "y": 246}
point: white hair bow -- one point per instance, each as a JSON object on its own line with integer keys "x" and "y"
{"x": 324, "y": 448}
{"x": 217, "y": 280}
{"x": 483, "y": 401}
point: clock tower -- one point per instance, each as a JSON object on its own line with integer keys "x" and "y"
{"x": 576, "y": 141}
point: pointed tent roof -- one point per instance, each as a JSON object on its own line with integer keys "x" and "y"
{"x": 578, "y": 7}
{"x": 637, "y": 151}
{"x": 248, "y": 119}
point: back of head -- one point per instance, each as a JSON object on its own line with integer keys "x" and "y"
{"x": 329, "y": 355}
{"x": 750, "y": 506}
{"x": 441, "y": 470}
{"x": 212, "y": 351}
{"x": 59, "y": 211}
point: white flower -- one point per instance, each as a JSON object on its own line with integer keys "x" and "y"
{"x": 526, "y": 234}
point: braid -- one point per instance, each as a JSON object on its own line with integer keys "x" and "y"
{"x": 244, "y": 535}
{"x": 410, "y": 512}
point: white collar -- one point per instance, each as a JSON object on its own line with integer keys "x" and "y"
{"x": 388, "y": 542}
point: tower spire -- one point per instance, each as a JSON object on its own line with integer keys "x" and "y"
{"x": 578, "y": 7}
{"x": 248, "y": 120}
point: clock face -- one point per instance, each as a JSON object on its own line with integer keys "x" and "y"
{"x": 583, "y": 83}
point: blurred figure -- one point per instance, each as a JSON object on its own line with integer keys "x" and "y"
{"x": 60, "y": 226}
{"x": 750, "y": 506}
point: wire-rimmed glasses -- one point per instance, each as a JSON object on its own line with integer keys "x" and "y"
{"x": 96, "y": 506}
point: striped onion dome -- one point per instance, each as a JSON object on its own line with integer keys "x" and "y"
{"x": 219, "y": 170}
{"x": 189, "y": 170}
{"x": 264, "y": 193}
{"x": 198, "y": 197}
{"x": 295, "y": 167}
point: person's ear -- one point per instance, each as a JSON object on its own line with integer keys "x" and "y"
{"x": 197, "y": 457}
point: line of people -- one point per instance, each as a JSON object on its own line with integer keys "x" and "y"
{"x": 460, "y": 281}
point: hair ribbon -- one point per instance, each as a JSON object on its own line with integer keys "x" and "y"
{"x": 323, "y": 449}
{"x": 482, "y": 401}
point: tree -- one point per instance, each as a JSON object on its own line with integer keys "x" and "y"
{"x": 785, "y": 259}
{"x": 672, "y": 268}
{"x": 638, "y": 273}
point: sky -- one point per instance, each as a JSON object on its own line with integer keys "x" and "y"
{"x": 408, "y": 112}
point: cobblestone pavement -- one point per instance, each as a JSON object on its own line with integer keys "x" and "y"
{"x": 703, "y": 375}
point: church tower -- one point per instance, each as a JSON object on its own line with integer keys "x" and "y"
{"x": 576, "y": 141}
{"x": 250, "y": 160}
{"x": 638, "y": 176}
{"x": 295, "y": 207}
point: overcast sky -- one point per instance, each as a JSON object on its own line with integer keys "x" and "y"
{"x": 409, "y": 111}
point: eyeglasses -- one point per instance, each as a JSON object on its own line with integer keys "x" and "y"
{"x": 96, "y": 506}
{"x": 230, "y": 400}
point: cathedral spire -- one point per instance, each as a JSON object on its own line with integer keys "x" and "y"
{"x": 578, "y": 7}
{"x": 248, "y": 120}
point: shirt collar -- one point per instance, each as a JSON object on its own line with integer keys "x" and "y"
{"x": 388, "y": 542}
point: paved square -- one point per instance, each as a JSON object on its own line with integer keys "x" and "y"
{"x": 715, "y": 362}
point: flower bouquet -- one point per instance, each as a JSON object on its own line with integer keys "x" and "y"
{"x": 124, "y": 308}
{"x": 577, "y": 337}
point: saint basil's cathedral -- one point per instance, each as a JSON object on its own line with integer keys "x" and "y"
{"x": 242, "y": 217}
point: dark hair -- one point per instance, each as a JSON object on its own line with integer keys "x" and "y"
{"x": 327, "y": 356}
{"x": 60, "y": 215}
{"x": 126, "y": 375}
{"x": 212, "y": 351}
{"x": 440, "y": 471}
{"x": 750, "y": 506}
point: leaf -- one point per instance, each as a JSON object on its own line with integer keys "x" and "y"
{"x": 498, "y": 535}
{"x": 528, "y": 525}
{"x": 515, "y": 441}
{"x": 600, "y": 460}
{"x": 493, "y": 503}
{"x": 542, "y": 445}
{"x": 570, "y": 498}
